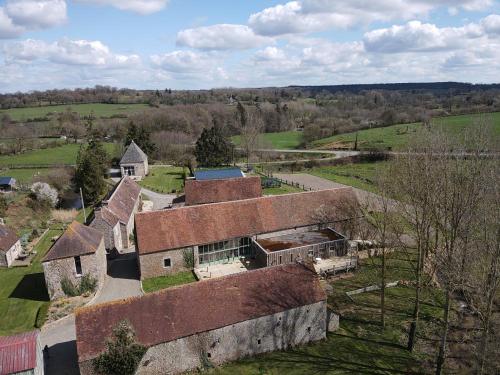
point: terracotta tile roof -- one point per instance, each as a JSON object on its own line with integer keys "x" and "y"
{"x": 232, "y": 189}
{"x": 8, "y": 237}
{"x": 78, "y": 239}
{"x": 133, "y": 154}
{"x": 198, "y": 307}
{"x": 120, "y": 204}
{"x": 203, "y": 224}
{"x": 18, "y": 353}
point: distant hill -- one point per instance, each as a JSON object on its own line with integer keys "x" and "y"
{"x": 424, "y": 86}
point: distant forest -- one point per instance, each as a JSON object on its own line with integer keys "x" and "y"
{"x": 176, "y": 118}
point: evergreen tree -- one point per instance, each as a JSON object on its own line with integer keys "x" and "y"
{"x": 141, "y": 137}
{"x": 213, "y": 149}
{"x": 91, "y": 165}
{"x": 123, "y": 353}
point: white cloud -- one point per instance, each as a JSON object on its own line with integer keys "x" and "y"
{"x": 270, "y": 54}
{"x": 37, "y": 13}
{"x": 221, "y": 37}
{"x": 138, "y": 6}
{"x": 184, "y": 61}
{"x": 68, "y": 52}
{"x": 491, "y": 24}
{"x": 19, "y": 16}
{"x": 416, "y": 36}
{"x": 308, "y": 16}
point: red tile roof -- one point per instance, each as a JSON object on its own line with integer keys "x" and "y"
{"x": 18, "y": 353}
{"x": 8, "y": 237}
{"x": 198, "y": 307}
{"x": 120, "y": 204}
{"x": 78, "y": 239}
{"x": 195, "y": 225}
{"x": 231, "y": 189}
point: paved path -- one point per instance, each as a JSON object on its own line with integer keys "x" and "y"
{"x": 318, "y": 183}
{"x": 122, "y": 281}
{"x": 338, "y": 154}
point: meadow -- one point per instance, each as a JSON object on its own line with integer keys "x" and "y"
{"x": 395, "y": 137}
{"x": 281, "y": 141}
{"x": 164, "y": 179}
{"x": 97, "y": 109}
{"x": 61, "y": 155}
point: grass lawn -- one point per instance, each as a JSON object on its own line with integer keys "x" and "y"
{"x": 99, "y": 110}
{"x": 282, "y": 141}
{"x": 397, "y": 136}
{"x": 358, "y": 175}
{"x": 156, "y": 283}
{"x": 283, "y": 189}
{"x": 23, "y": 293}
{"x": 164, "y": 179}
{"x": 62, "y": 155}
{"x": 24, "y": 176}
{"x": 359, "y": 346}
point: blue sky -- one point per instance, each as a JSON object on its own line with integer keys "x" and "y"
{"x": 195, "y": 44}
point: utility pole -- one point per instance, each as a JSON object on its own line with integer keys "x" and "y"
{"x": 83, "y": 206}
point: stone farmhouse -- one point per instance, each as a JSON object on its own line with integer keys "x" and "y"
{"x": 221, "y": 232}
{"x": 134, "y": 162}
{"x": 221, "y": 190}
{"x": 79, "y": 251}
{"x": 21, "y": 354}
{"x": 10, "y": 246}
{"x": 115, "y": 217}
{"x": 214, "y": 321}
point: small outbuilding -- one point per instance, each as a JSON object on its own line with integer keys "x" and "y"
{"x": 115, "y": 217}
{"x": 7, "y": 183}
{"x": 10, "y": 246}
{"x": 78, "y": 252}
{"x": 21, "y": 354}
{"x": 134, "y": 162}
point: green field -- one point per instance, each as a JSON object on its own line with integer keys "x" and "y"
{"x": 99, "y": 110}
{"x": 397, "y": 136}
{"x": 156, "y": 283}
{"x": 281, "y": 141}
{"x": 23, "y": 292}
{"x": 164, "y": 179}
{"x": 24, "y": 176}
{"x": 359, "y": 346}
{"x": 61, "y": 155}
{"x": 358, "y": 175}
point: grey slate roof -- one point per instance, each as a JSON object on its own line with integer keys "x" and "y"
{"x": 133, "y": 154}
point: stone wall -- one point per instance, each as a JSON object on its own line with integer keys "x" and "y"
{"x": 6, "y": 258}
{"x": 140, "y": 169}
{"x": 57, "y": 270}
{"x": 274, "y": 332}
{"x": 112, "y": 235}
{"x": 151, "y": 265}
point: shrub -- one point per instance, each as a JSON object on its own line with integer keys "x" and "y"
{"x": 122, "y": 354}
{"x": 188, "y": 257}
{"x": 88, "y": 284}
{"x": 43, "y": 192}
{"x": 68, "y": 287}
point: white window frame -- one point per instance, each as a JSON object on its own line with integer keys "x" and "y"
{"x": 164, "y": 266}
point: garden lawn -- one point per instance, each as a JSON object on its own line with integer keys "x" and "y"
{"x": 358, "y": 175}
{"x": 281, "y": 141}
{"x": 98, "y": 109}
{"x": 396, "y": 137}
{"x": 61, "y": 155}
{"x": 359, "y": 346}
{"x": 23, "y": 295}
{"x": 164, "y": 179}
{"x": 156, "y": 283}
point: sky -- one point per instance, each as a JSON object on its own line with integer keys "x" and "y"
{"x": 201, "y": 44}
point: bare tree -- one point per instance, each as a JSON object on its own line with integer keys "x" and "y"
{"x": 250, "y": 133}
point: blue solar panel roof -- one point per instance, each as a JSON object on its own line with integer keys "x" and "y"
{"x": 218, "y": 174}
